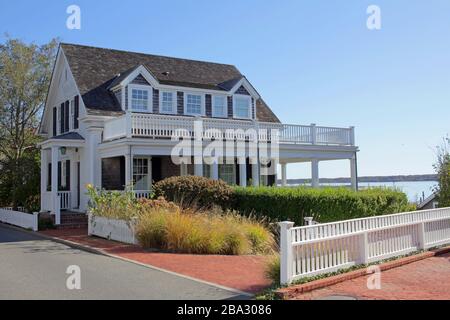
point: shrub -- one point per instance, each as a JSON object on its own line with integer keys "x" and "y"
{"x": 325, "y": 205}
{"x": 112, "y": 205}
{"x": 193, "y": 191}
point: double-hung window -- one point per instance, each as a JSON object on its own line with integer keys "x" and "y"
{"x": 194, "y": 104}
{"x": 140, "y": 99}
{"x": 219, "y": 106}
{"x": 167, "y": 102}
{"x": 227, "y": 173}
{"x": 242, "y": 107}
{"x": 141, "y": 174}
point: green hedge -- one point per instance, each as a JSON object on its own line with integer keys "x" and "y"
{"x": 325, "y": 205}
{"x": 193, "y": 191}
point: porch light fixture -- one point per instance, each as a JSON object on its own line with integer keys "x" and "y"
{"x": 63, "y": 150}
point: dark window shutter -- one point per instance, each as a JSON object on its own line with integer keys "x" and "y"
{"x": 62, "y": 126}
{"x": 59, "y": 175}
{"x": 76, "y": 112}
{"x": 67, "y": 116}
{"x": 67, "y": 174}
{"x": 55, "y": 121}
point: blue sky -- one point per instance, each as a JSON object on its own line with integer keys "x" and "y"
{"x": 312, "y": 61}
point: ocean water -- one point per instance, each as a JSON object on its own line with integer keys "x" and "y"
{"x": 415, "y": 190}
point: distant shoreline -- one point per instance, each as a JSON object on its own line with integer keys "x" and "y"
{"x": 400, "y": 178}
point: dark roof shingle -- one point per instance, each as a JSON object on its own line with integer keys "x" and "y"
{"x": 96, "y": 70}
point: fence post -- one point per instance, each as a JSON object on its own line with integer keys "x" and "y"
{"x": 309, "y": 221}
{"x": 58, "y": 210}
{"x": 35, "y": 221}
{"x": 364, "y": 248}
{"x": 421, "y": 235}
{"x": 286, "y": 252}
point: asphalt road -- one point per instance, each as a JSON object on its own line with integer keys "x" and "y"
{"x": 35, "y": 268}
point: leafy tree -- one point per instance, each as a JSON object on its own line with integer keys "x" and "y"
{"x": 442, "y": 168}
{"x": 25, "y": 72}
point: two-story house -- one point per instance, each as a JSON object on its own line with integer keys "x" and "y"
{"x": 110, "y": 118}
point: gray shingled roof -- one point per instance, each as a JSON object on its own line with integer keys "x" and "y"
{"x": 96, "y": 69}
{"x": 69, "y": 136}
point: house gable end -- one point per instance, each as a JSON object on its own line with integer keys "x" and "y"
{"x": 62, "y": 88}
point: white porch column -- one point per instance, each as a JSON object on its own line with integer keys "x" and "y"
{"x": 94, "y": 161}
{"x": 284, "y": 174}
{"x": 198, "y": 167}
{"x": 215, "y": 170}
{"x": 255, "y": 174}
{"x": 44, "y": 177}
{"x": 353, "y": 173}
{"x": 242, "y": 172}
{"x": 55, "y": 206}
{"x": 315, "y": 173}
{"x": 128, "y": 171}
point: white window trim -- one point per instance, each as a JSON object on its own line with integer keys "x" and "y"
{"x": 225, "y": 114}
{"x": 174, "y": 101}
{"x": 202, "y": 104}
{"x": 149, "y": 89}
{"x": 249, "y": 98}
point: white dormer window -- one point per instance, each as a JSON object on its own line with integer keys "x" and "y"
{"x": 167, "y": 102}
{"x": 139, "y": 98}
{"x": 219, "y": 106}
{"x": 242, "y": 107}
{"x": 193, "y": 104}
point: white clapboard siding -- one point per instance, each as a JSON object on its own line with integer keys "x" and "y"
{"x": 19, "y": 218}
{"x": 117, "y": 230}
{"x": 323, "y": 248}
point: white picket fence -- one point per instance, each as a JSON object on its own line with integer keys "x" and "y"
{"x": 117, "y": 230}
{"x": 323, "y": 248}
{"x": 19, "y": 218}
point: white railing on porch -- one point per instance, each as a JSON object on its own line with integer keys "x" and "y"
{"x": 65, "y": 200}
{"x": 164, "y": 126}
{"x": 323, "y": 248}
{"x": 142, "y": 193}
{"x": 19, "y": 218}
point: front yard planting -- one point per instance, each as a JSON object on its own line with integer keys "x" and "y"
{"x": 165, "y": 225}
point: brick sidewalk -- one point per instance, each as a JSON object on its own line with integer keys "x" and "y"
{"x": 426, "y": 279}
{"x": 245, "y": 273}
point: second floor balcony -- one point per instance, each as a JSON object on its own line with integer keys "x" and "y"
{"x": 138, "y": 125}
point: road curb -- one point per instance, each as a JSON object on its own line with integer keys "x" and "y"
{"x": 326, "y": 282}
{"x": 87, "y": 248}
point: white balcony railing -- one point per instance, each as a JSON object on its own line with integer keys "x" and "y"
{"x": 164, "y": 126}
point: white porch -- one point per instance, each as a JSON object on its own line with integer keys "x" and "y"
{"x": 61, "y": 176}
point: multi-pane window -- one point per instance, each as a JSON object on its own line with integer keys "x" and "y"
{"x": 141, "y": 174}
{"x": 219, "y": 106}
{"x": 167, "y": 102}
{"x": 193, "y": 104}
{"x": 139, "y": 99}
{"x": 227, "y": 173}
{"x": 242, "y": 108}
